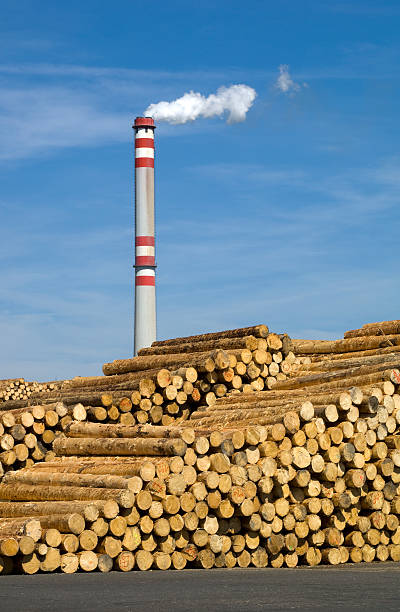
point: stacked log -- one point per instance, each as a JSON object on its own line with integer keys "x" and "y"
{"x": 164, "y": 388}
{"x": 384, "y": 328}
{"x": 352, "y": 344}
{"x": 27, "y": 434}
{"x": 159, "y": 389}
{"x": 20, "y": 389}
{"x": 298, "y": 465}
{"x": 317, "y": 484}
{"x": 320, "y": 372}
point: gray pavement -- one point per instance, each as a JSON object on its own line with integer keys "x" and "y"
{"x": 367, "y": 587}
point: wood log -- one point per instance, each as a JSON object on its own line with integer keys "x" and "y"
{"x": 70, "y": 398}
{"x": 22, "y": 526}
{"x": 145, "y": 467}
{"x": 342, "y": 346}
{"x": 49, "y": 508}
{"x": 329, "y": 377}
{"x": 100, "y": 430}
{"x": 249, "y": 342}
{"x": 346, "y": 363}
{"x": 144, "y": 560}
{"x": 259, "y": 331}
{"x": 203, "y": 360}
{"x": 330, "y": 357}
{"x": 113, "y": 446}
{"x": 79, "y": 480}
{"x": 23, "y": 492}
{"x": 376, "y": 329}
{"x": 88, "y": 560}
{"x": 69, "y": 563}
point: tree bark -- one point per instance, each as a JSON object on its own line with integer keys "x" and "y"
{"x": 113, "y": 446}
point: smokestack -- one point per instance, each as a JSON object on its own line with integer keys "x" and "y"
{"x": 145, "y": 268}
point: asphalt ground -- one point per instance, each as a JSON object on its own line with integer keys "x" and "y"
{"x": 367, "y": 587}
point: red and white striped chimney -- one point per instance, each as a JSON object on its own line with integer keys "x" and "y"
{"x": 145, "y": 266}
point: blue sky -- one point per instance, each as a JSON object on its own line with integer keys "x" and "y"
{"x": 290, "y": 218}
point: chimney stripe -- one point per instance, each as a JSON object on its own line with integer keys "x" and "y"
{"x": 147, "y": 272}
{"x": 144, "y": 133}
{"x": 144, "y": 250}
{"x": 144, "y": 142}
{"x": 144, "y": 241}
{"x": 148, "y": 281}
{"x": 144, "y": 152}
{"x": 145, "y": 260}
{"x": 144, "y": 162}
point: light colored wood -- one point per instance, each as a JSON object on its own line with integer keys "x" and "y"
{"x": 48, "y": 493}
{"x": 48, "y": 508}
{"x": 69, "y": 563}
{"x": 144, "y": 560}
{"x": 30, "y": 564}
{"x": 51, "y": 561}
{"x": 197, "y": 360}
{"x": 88, "y": 560}
{"x": 80, "y": 480}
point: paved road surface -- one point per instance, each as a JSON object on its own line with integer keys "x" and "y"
{"x": 366, "y": 587}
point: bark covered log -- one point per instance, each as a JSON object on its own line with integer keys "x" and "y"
{"x": 342, "y": 346}
{"x": 113, "y": 446}
{"x": 259, "y": 331}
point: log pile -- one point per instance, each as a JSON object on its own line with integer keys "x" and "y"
{"x": 321, "y": 371}
{"x": 161, "y": 386}
{"x": 304, "y": 471}
{"x": 313, "y": 486}
{"x": 27, "y": 434}
{"x": 20, "y": 389}
{"x": 143, "y": 390}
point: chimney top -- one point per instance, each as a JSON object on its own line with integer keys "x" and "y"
{"x": 144, "y": 122}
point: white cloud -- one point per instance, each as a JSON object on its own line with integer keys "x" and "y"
{"x": 285, "y": 82}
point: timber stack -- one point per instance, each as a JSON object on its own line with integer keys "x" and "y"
{"x": 162, "y": 386}
{"x": 20, "y": 389}
{"x": 302, "y": 471}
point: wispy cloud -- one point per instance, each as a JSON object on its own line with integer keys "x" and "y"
{"x": 234, "y": 172}
{"x": 36, "y": 119}
{"x": 94, "y": 72}
{"x": 47, "y": 107}
{"x": 285, "y": 83}
{"x": 301, "y": 268}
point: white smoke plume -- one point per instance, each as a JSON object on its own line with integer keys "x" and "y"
{"x": 233, "y": 101}
{"x": 285, "y": 82}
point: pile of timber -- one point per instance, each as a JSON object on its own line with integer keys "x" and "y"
{"x": 27, "y": 434}
{"x": 282, "y": 453}
{"x": 142, "y": 390}
{"x": 321, "y": 370}
{"x": 316, "y": 484}
{"x": 209, "y": 385}
{"x": 20, "y": 389}
{"x": 243, "y": 359}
